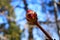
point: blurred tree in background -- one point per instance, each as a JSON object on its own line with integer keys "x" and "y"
{"x": 13, "y": 31}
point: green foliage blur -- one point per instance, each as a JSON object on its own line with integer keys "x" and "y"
{"x": 13, "y": 31}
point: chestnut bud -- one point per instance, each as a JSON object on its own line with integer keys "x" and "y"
{"x": 31, "y": 16}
